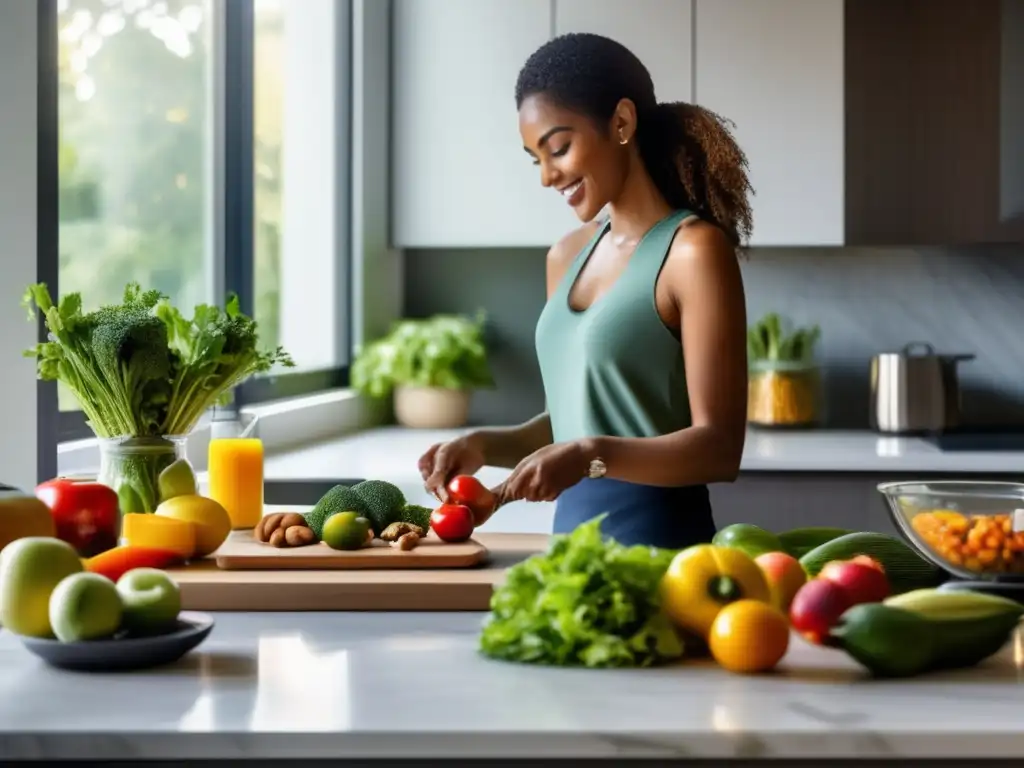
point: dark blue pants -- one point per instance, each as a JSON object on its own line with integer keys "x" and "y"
{"x": 671, "y": 518}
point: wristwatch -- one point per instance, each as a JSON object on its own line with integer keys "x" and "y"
{"x": 597, "y": 469}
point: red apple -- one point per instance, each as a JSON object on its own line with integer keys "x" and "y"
{"x": 869, "y": 561}
{"x": 785, "y": 576}
{"x": 864, "y": 583}
{"x": 816, "y": 608}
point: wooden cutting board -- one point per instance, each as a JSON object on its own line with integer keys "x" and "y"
{"x": 242, "y": 552}
{"x": 205, "y": 587}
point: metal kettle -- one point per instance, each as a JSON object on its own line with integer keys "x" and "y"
{"x": 915, "y": 391}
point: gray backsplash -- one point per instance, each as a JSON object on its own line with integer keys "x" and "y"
{"x": 865, "y": 300}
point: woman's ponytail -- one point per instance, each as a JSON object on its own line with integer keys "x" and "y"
{"x": 696, "y": 163}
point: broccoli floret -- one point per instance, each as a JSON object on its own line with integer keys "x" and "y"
{"x": 415, "y": 514}
{"x": 384, "y": 499}
{"x": 132, "y": 357}
{"x": 340, "y": 498}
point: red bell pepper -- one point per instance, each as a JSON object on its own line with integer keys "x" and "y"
{"x": 85, "y": 512}
{"x": 116, "y": 562}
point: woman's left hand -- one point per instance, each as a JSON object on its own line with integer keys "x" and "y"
{"x": 544, "y": 474}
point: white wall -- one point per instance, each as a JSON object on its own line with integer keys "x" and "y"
{"x": 18, "y": 39}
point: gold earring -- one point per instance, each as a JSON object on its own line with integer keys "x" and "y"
{"x": 623, "y": 140}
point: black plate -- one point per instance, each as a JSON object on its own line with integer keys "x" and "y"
{"x": 127, "y": 653}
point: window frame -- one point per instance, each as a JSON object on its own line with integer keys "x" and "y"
{"x": 233, "y": 216}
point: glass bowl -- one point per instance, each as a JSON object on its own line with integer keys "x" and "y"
{"x": 972, "y": 529}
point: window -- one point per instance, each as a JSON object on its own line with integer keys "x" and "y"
{"x": 204, "y": 148}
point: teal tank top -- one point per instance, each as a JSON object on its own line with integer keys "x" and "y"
{"x": 614, "y": 369}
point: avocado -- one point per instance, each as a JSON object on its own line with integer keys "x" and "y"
{"x": 384, "y": 500}
{"x": 340, "y": 498}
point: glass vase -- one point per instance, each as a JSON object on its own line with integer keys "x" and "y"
{"x": 132, "y": 467}
{"x": 783, "y": 394}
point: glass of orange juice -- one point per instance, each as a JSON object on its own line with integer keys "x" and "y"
{"x": 235, "y": 469}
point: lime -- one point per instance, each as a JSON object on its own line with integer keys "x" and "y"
{"x": 749, "y": 539}
{"x": 345, "y": 530}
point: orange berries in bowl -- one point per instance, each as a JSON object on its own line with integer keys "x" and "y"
{"x": 971, "y": 544}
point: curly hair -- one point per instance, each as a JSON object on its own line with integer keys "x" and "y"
{"x": 689, "y": 151}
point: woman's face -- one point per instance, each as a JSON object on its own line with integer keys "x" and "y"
{"x": 586, "y": 165}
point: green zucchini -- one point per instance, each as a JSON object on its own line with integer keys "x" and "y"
{"x": 895, "y": 642}
{"x": 888, "y": 642}
{"x": 799, "y": 541}
{"x": 905, "y": 569}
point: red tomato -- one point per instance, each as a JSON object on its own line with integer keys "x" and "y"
{"x": 85, "y": 513}
{"x": 470, "y": 492}
{"x": 864, "y": 583}
{"x": 452, "y": 522}
{"x": 816, "y": 608}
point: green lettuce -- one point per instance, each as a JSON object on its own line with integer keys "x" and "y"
{"x": 587, "y": 601}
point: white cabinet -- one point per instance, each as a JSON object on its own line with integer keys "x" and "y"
{"x": 775, "y": 68}
{"x": 460, "y": 176}
{"x": 659, "y": 32}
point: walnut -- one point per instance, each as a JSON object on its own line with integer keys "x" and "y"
{"x": 369, "y": 537}
{"x": 407, "y": 541}
{"x": 299, "y": 536}
{"x": 396, "y": 530}
{"x": 278, "y": 520}
{"x": 284, "y": 529}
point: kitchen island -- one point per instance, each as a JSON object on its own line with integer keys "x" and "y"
{"x": 285, "y": 685}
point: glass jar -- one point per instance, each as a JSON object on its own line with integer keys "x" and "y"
{"x": 783, "y": 394}
{"x": 132, "y": 467}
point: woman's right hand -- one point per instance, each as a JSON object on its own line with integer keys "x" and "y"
{"x": 443, "y": 461}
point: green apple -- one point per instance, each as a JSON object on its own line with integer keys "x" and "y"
{"x": 85, "y": 606}
{"x": 177, "y": 479}
{"x": 151, "y": 599}
{"x": 30, "y": 568}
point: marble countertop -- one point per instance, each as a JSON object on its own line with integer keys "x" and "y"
{"x": 393, "y": 452}
{"x": 359, "y": 684}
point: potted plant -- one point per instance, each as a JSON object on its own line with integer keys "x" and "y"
{"x": 429, "y": 366}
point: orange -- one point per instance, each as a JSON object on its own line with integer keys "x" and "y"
{"x": 749, "y": 636}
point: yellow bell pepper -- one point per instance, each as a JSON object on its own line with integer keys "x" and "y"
{"x": 702, "y": 579}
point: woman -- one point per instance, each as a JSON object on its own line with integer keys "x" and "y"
{"x": 642, "y": 342}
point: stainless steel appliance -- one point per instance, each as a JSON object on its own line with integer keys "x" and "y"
{"x": 915, "y": 391}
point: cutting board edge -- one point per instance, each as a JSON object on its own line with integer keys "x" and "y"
{"x": 275, "y": 562}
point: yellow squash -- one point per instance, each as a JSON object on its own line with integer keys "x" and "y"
{"x": 702, "y": 579}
